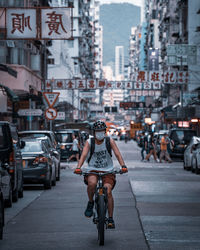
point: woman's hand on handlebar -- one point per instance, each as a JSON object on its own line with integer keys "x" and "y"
{"x": 124, "y": 169}
{"x": 78, "y": 171}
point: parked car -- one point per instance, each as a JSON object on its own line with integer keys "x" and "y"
{"x": 11, "y": 164}
{"x": 189, "y": 152}
{"x": 179, "y": 139}
{"x": 16, "y": 168}
{"x": 195, "y": 166}
{"x": 37, "y": 163}
{"x": 53, "y": 144}
{"x": 2, "y": 215}
{"x": 65, "y": 141}
{"x": 53, "y": 154}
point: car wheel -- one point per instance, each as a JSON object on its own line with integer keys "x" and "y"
{"x": 15, "y": 195}
{"x": 193, "y": 165}
{"x": 8, "y": 202}
{"x": 197, "y": 170}
{"x": 21, "y": 191}
{"x": 58, "y": 177}
{"x": 1, "y": 219}
{"x": 54, "y": 179}
{"x": 48, "y": 183}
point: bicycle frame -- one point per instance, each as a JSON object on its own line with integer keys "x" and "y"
{"x": 101, "y": 204}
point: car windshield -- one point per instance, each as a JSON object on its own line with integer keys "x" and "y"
{"x": 64, "y": 137}
{"x": 33, "y": 135}
{"x": 32, "y": 146}
{"x": 183, "y": 135}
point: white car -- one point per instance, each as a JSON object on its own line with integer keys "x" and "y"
{"x": 189, "y": 153}
{"x": 195, "y": 167}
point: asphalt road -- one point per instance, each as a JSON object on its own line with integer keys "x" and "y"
{"x": 156, "y": 207}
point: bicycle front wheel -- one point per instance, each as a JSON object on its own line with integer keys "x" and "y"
{"x": 101, "y": 219}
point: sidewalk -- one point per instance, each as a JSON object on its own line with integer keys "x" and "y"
{"x": 55, "y": 220}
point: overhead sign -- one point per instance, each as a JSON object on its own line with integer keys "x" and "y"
{"x": 131, "y": 105}
{"x": 38, "y": 23}
{"x": 51, "y": 97}
{"x": 50, "y": 113}
{"x": 30, "y": 112}
{"x": 181, "y": 54}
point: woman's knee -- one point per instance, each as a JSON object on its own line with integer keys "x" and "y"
{"x": 92, "y": 181}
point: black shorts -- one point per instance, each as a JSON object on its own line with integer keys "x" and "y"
{"x": 75, "y": 152}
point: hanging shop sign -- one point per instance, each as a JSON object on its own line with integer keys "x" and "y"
{"x": 37, "y": 23}
{"x": 181, "y": 54}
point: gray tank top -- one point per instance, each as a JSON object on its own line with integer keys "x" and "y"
{"x": 101, "y": 159}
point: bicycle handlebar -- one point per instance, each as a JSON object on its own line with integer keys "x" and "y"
{"x": 101, "y": 173}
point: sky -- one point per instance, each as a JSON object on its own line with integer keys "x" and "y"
{"x": 135, "y": 2}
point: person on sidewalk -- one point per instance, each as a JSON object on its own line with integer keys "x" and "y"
{"x": 152, "y": 150}
{"x": 163, "y": 147}
{"x": 100, "y": 160}
{"x": 75, "y": 149}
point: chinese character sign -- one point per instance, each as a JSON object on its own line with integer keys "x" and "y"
{"x": 38, "y": 23}
{"x": 155, "y": 76}
{"x": 56, "y": 23}
{"x": 21, "y": 23}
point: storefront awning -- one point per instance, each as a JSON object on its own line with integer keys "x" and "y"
{"x": 10, "y": 93}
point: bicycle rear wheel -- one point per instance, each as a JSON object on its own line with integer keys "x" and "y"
{"x": 101, "y": 219}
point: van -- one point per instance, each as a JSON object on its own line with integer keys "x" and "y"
{"x": 179, "y": 139}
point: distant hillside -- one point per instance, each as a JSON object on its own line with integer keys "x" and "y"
{"x": 117, "y": 20}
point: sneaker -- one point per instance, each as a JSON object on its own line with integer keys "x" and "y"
{"x": 145, "y": 160}
{"x": 89, "y": 209}
{"x": 111, "y": 223}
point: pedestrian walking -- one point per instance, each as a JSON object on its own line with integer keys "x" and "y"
{"x": 143, "y": 144}
{"x": 163, "y": 147}
{"x": 151, "y": 149}
{"x": 75, "y": 148}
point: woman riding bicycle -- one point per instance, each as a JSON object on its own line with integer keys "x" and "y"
{"x": 100, "y": 161}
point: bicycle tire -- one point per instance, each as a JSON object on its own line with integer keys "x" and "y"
{"x": 101, "y": 219}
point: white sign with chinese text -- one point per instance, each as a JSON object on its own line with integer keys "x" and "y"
{"x": 37, "y": 23}
{"x": 21, "y": 23}
{"x": 56, "y": 23}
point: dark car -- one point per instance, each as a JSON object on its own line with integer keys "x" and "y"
{"x": 1, "y": 214}
{"x": 16, "y": 168}
{"x": 37, "y": 163}
{"x": 65, "y": 141}
{"x": 179, "y": 139}
{"x": 53, "y": 153}
{"x": 53, "y": 141}
{"x": 10, "y": 165}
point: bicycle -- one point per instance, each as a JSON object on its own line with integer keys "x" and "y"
{"x": 101, "y": 204}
